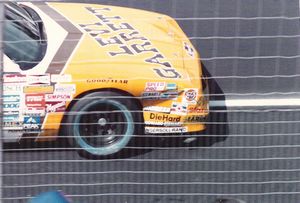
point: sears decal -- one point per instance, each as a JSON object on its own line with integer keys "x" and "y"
{"x": 32, "y": 123}
{"x": 128, "y": 40}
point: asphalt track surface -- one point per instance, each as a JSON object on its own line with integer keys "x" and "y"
{"x": 248, "y": 153}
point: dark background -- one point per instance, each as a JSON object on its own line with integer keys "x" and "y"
{"x": 250, "y": 154}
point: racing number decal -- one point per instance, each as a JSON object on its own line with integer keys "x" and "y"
{"x": 107, "y": 24}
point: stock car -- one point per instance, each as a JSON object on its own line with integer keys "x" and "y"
{"x": 99, "y": 75}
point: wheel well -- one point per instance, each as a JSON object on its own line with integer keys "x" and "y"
{"x": 137, "y": 102}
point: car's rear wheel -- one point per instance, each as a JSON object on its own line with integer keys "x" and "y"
{"x": 102, "y": 124}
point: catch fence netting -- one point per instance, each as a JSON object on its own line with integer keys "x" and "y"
{"x": 250, "y": 149}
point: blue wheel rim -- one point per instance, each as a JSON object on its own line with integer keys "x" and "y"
{"x": 107, "y": 150}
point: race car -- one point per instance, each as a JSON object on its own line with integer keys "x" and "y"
{"x": 99, "y": 75}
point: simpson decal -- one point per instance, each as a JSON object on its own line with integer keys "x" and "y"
{"x": 58, "y": 97}
{"x": 123, "y": 33}
{"x": 162, "y": 130}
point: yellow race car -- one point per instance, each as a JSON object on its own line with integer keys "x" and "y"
{"x": 98, "y": 74}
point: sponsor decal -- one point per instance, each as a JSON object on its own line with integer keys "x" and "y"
{"x": 11, "y": 102}
{"x": 61, "y": 78}
{"x": 179, "y": 108}
{"x": 38, "y": 89}
{"x": 150, "y": 95}
{"x": 38, "y": 79}
{"x": 32, "y": 123}
{"x": 197, "y": 109}
{"x": 157, "y": 109}
{"x": 164, "y": 118}
{"x": 12, "y": 121}
{"x": 14, "y": 78}
{"x": 194, "y": 119}
{"x": 171, "y": 86}
{"x": 11, "y": 117}
{"x": 65, "y": 88}
{"x": 126, "y": 41}
{"x": 107, "y": 81}
{"x": 35, "y": 100}
{"x": 189, "y": 49}
{"x": 169, "y": 95}
{"x": 55, "y": 106}
{"x": 58, "y": 97}
{"x": 155, "y": 86}
{"x": 12, "y": 88}
{"x": 35, "y": 111}
{"x": 11, "y": 98}
{"x": 190, "y": 95}
{"x": 162, "y": 130}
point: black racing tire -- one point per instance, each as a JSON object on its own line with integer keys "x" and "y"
{"x": 102, "y": 124}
